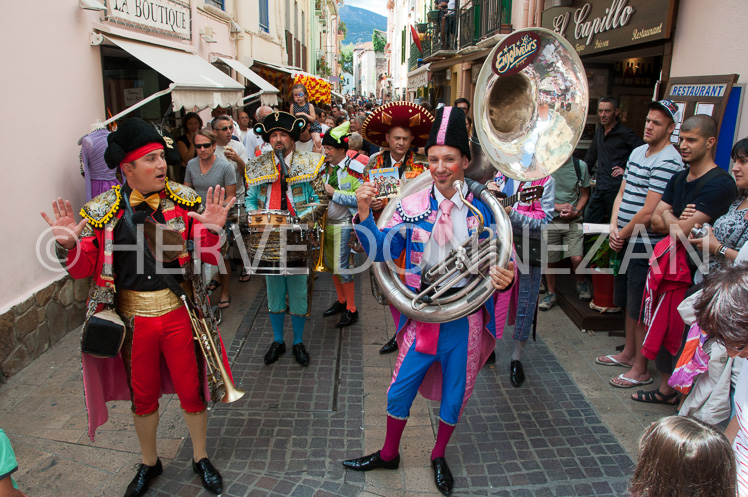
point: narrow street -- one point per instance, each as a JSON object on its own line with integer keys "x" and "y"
{"x": 564, "y": 432}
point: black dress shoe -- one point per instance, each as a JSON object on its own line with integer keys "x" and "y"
{"x": 276, "y": 350}
{"x": 442, "y": 475}
{"x": 348, "y": 319}
{"x": 516, "y": 373}
{"x": 390, "y": 346}
{"x": 212, "y": 481}
{"x": 372, "y": 461}
{"x": 139, "y": 485}
{"x": 492, "y": 358}
{"x": 336, "y": 308}
{"x": 301, "y": 355}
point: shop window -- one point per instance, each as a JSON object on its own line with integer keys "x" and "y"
{"x": 264, "y": 17}
{"x": 216, "y": 3}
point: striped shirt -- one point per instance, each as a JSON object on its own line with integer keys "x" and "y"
{"x": 645, "y": 174}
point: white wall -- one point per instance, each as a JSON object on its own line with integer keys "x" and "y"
{"x": 712, "y": 41}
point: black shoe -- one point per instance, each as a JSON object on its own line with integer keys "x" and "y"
{"x": 347, "y": 320}
{"x": 516, "y": 373}
{"x": 212, "y": 481}
{"x": 139, "y": 485}
{"x": 390, "y": 346}
{"x": 372, "y": 461}
{"x": 301, "y": 355}
{"x": 336, "y": 308}
{"x": 276, "y": 350}
{"x": 492, "y": 358}
{"x": 442, "y": 475}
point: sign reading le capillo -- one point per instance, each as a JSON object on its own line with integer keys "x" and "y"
{"x": 167, "y": 16}
{"x": 599, "y": 25}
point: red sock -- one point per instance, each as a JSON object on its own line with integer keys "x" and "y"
{"x": 339, "y": 289}
{"x": 442, "y": 439}
{"x": 392, "y": 438}
{"x": 350, "y": 296}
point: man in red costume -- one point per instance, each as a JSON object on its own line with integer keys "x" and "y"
{"x": 127, "y": 278}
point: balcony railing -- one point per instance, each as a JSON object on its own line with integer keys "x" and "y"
{"x": 441, "y": 34}
{"x": 483, "y": 18}
{"x": 415, "y": 57}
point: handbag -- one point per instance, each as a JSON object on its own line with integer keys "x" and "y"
{"x": 104, "y": 334}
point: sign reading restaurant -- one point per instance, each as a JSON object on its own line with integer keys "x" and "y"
{"x": 602, "y": 25}
{"x": 165, "y": 16}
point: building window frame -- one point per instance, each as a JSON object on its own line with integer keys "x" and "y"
{"x": 264, "y": 16}
{"x": 219, "y": 4}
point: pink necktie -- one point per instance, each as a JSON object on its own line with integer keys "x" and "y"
{"x": 443, "y": 229}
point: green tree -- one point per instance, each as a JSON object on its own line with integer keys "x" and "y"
{"x": 346, "y": 57}
{"x": 379, "y": 41}
{"x": 342, "y": 29}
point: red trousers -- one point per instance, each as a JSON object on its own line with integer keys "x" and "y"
{"x": 169, "y": 335}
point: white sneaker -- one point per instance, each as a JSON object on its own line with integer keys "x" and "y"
{"x": 583, "y": 291}
{"x": 548, "y": 301}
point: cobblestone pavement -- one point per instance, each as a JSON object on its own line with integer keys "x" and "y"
{"x": 294, "y": 426}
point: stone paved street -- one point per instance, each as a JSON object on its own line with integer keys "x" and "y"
{"x": 289, "y": 433}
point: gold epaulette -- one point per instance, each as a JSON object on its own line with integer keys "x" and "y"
{"x": 102, "y": 208}
{"x": 261, "y": 170}
{"x": 181, "y": 194}
{"x": 305, "y": 167}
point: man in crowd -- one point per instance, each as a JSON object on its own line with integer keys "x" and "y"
{"x": 647, "y": 173}
{"x": 283, "y": 180}
{"x": 218, "y": 112}
{"x": 231, "y": 150}
{"x": 356, "y": 126}
{"x": 564, "y": 237}
{"x": 464, "y": 104}
{"x": 445, "y": 224}
{"x": 156, "y": 320}
{"x": 607, "y": 155}
{"x": 708, "y": 190}
{"x": 345, "y": 175}
{"x": 243, "y": 126}
{"x": 397, "y": 127}
{"x": 254, "y": 142}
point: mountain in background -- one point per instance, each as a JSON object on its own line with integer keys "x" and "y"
{"x": 360, "y": 23}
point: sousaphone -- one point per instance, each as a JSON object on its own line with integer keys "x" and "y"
{"x": 530, "y": 108}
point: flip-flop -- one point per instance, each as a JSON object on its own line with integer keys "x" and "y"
{"x": 244, "y": 277}
{"x": 611, "y": 361}
{"x": 222, "y": 302}
{"x": 651, "y": 397}
{"x": 631, "y": 383}
{"x": 213, "y": 285}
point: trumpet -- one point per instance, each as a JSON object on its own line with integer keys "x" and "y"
{"x": 319, "y": 265}
{"x": 219, "y": 383}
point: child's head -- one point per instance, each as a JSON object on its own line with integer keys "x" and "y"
{"x": 684, "y": 457}
{"x": 299, "y": 93}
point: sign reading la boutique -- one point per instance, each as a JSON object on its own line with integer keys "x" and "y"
{"x": 165, "y": 16}
{"x": 600, "y": 25}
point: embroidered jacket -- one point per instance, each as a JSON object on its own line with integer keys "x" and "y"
{"x": 304, "y": 178}
{"x": 345, "y": 178}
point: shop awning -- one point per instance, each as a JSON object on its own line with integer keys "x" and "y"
{"x": 269, "y": 93}
{"x": 196, "y": 83}
{"x": 419, "y": 77}
{"x": 337, "y": 94}
{"x": 284, "y": 77}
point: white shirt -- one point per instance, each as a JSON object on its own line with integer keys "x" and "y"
{"x": 242, "y": 152}
{"x": 252, "y": 141}
{"x": 433, "y": 253}
{"x": 306, "y": 146}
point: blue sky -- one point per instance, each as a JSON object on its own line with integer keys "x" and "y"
{"x": 378, "y": 6}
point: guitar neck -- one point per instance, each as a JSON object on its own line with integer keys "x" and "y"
{"x": 505, "y": 202}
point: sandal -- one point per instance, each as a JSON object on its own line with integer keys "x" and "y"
{"x": 223, "y": 304}
{"x": 630, "y": 383}
{"x": 244, "y": 277}
{"x": 213, "y": 285}
{"x": 656, "y": 397}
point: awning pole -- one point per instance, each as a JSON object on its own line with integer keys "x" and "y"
{"x": 254, "y": 95}
{"x": 138, "y": 105}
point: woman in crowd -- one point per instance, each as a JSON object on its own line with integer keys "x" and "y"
{"x": 191, "y": 124}
{"x": 684, "y": 457}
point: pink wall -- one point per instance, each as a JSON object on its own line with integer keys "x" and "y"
{"x": 712, "y": 41}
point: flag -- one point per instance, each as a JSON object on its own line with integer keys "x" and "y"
{"x": 416, "y": 38}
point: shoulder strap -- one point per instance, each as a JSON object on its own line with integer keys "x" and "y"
{"x": 712, "y": 173}
{"x": 578, "y": 170}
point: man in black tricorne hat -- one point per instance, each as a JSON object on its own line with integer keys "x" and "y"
{"x": 433, "y": 358}
{"x": 157, "y": 323}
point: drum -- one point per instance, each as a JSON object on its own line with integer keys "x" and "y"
{"x": 276, "y": 243}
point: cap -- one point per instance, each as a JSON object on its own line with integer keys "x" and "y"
{"x": 667, "y": 106}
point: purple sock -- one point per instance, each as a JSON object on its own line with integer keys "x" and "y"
{"x": 442, "y": 439}
{"x": 392, "y": 437}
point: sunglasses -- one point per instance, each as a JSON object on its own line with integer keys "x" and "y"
{"x": 225, "y": 128}
{"x": 203, "y": 145}
{"x": 299, "y": 94}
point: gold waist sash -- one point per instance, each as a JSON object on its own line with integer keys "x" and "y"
{"x": 149, "y": 304}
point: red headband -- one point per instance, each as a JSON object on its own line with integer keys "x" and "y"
{"x": 139, "y": 152}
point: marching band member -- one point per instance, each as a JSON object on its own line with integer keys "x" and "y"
{"x": 397, "y": 127}
{"x": 156, "y": 321}
{"x": 282, "y": 179}
{"x": 345, "y": 175}
{"x": 433, "y": 220}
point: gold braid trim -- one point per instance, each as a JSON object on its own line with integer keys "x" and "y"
{"x": 102, "y": 208}
{"x": 181, "y": 194}
{"x": 302, "y": 178}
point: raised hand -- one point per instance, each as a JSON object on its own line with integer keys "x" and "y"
{"x": 64, "y": 227}
{"x": 214, "y": 215}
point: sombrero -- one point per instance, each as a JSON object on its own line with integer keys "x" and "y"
{"x": 398, "y": 114}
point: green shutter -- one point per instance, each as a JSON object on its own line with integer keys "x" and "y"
{"x": 402, "y": 47}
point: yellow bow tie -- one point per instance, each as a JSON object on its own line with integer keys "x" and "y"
{"x": 137, "y": 198}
